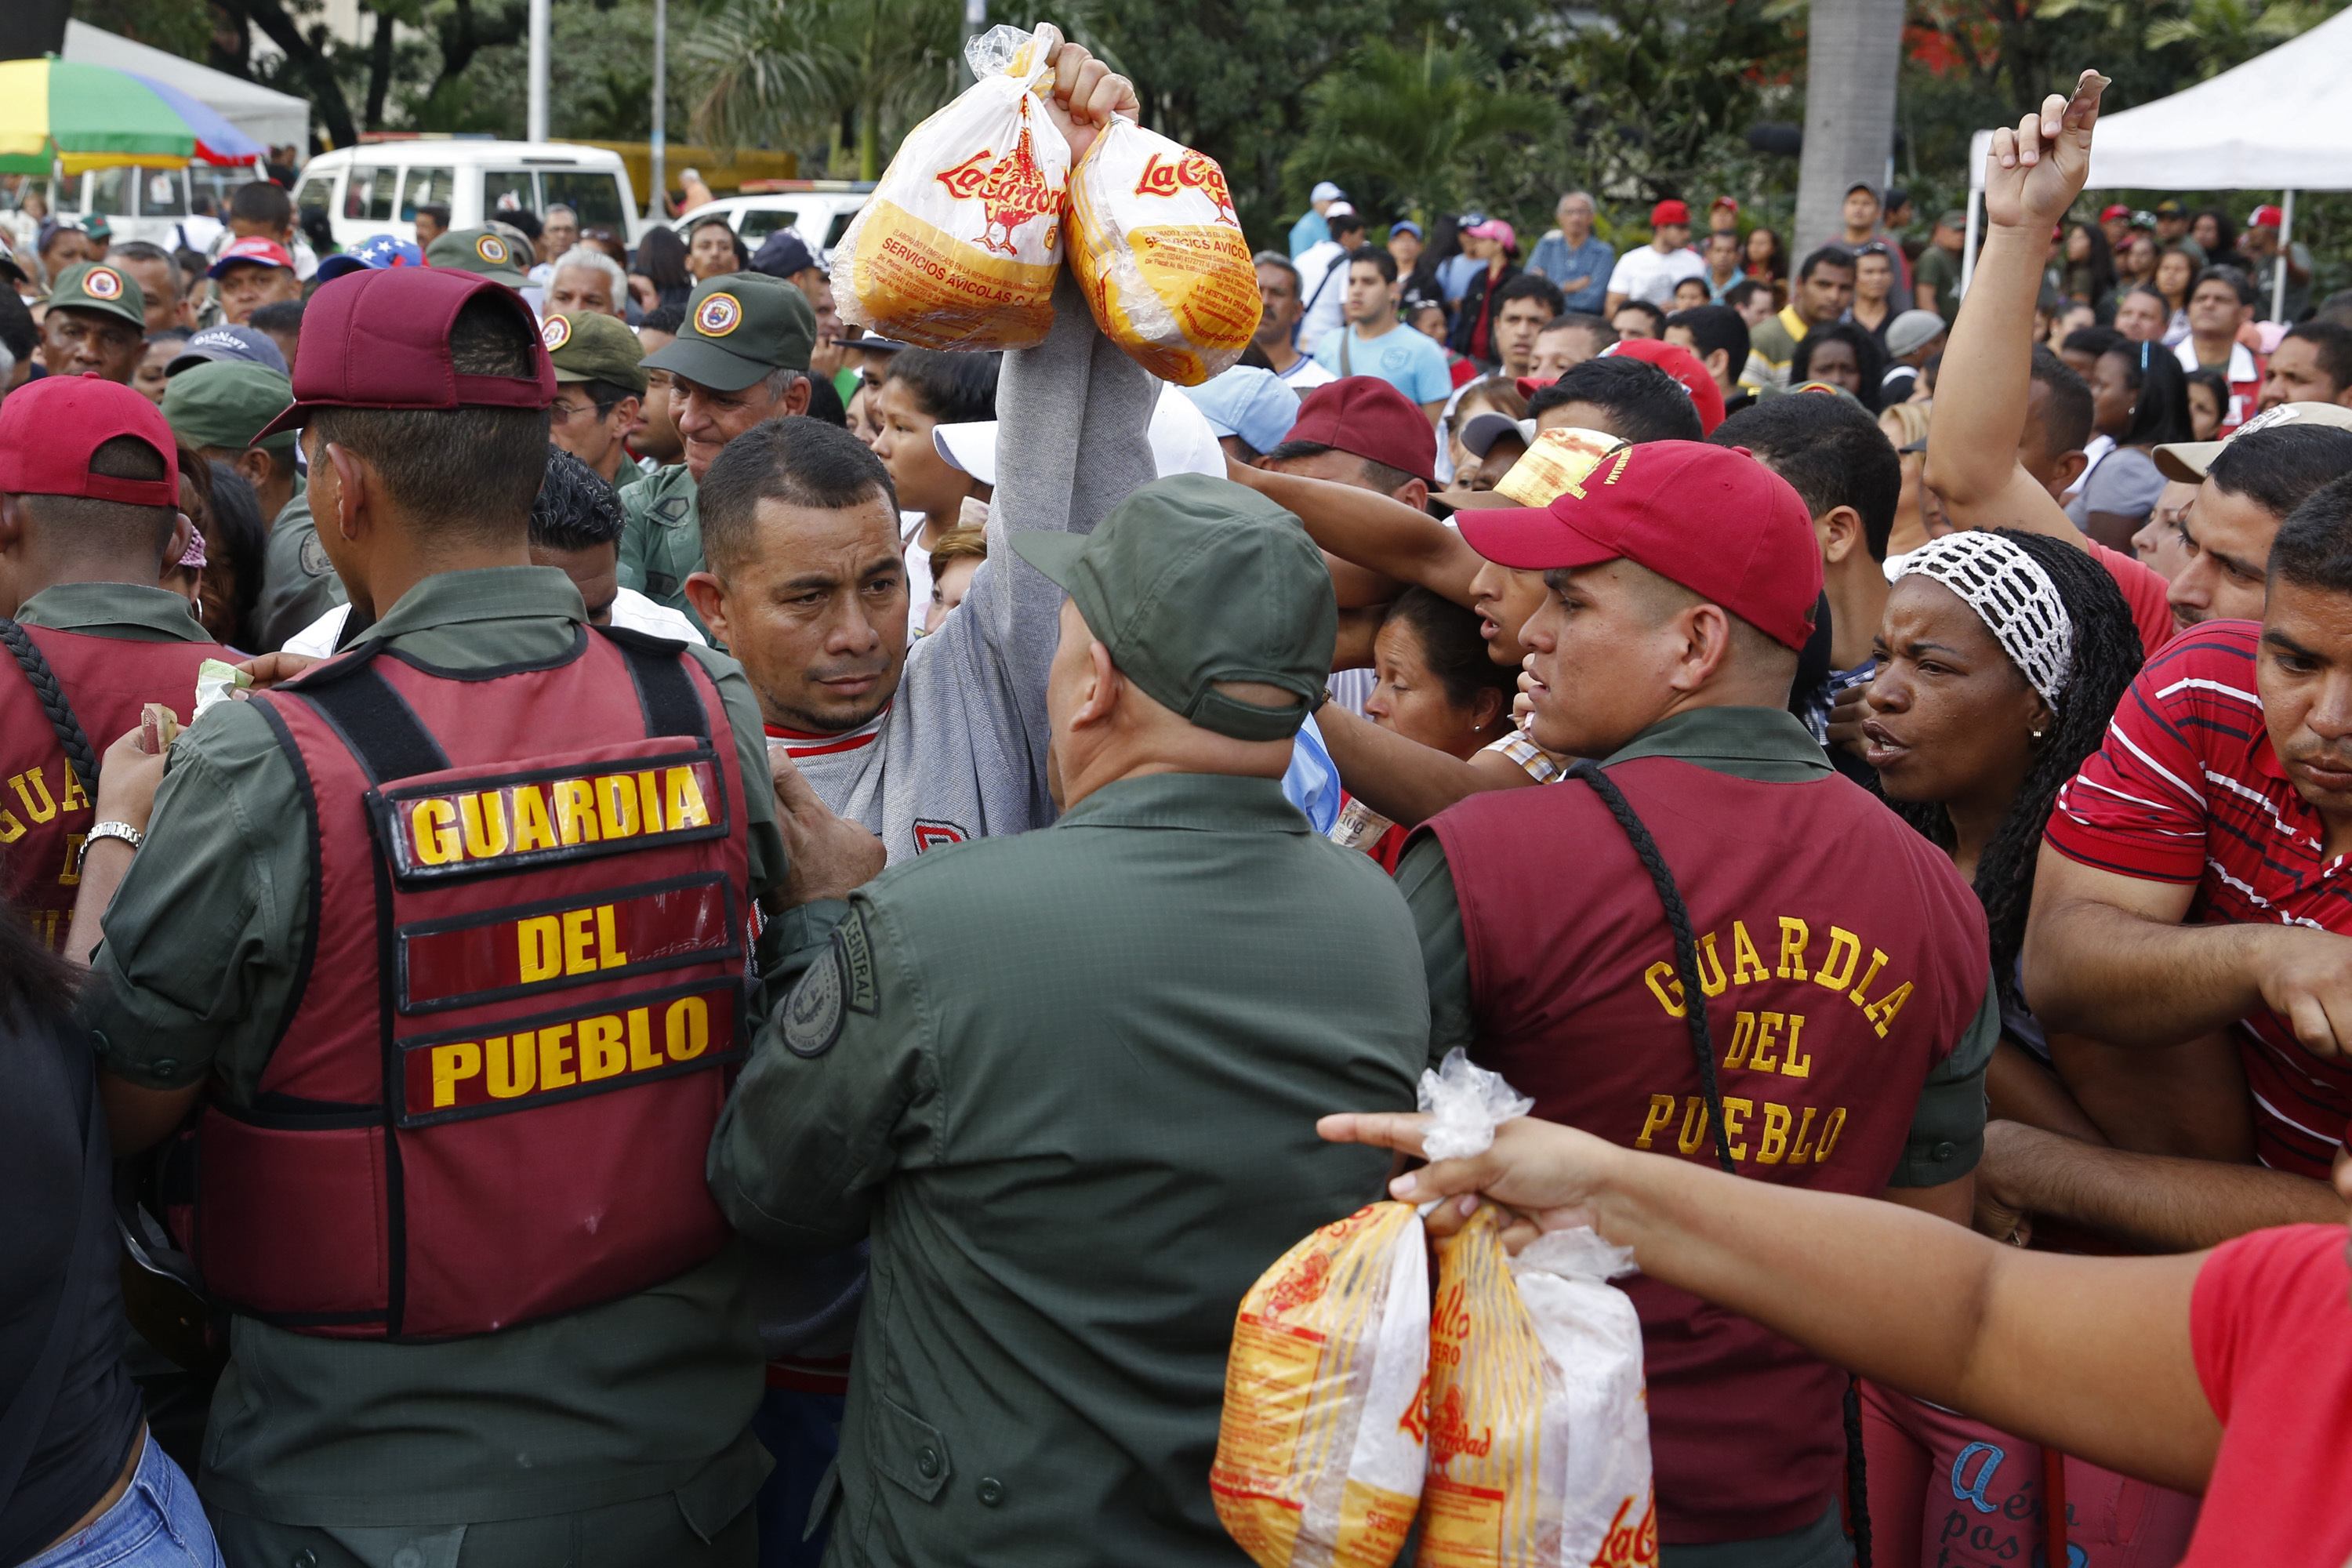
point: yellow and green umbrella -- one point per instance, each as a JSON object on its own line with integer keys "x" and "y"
{"x": 58, "y": 113}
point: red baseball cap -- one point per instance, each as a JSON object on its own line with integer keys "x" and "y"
{"x": 1670, "y": 211}
{"x": 1365, "y": 418}
{"x": 50, "y": 428}
{"x": 2267, "y": 216}
{"x": 1710, "y": 517}
{"x": 381, "y": 339}
{"x": 2109, "y": 214}
{"x": 252, "y": 250}
{"x": 1724, "y": 204}
{"x": 1684, "y": 367}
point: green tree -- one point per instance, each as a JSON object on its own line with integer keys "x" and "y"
{"x": 1410, "y": 129}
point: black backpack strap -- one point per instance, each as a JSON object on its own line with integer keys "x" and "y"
{"x": 72, "y": 737}
{"x": 374, "y": 719}
{"x": 665, "y": 687}
{"x": 1678, "y": 920}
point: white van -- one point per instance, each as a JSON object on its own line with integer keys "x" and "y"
{"x": 377, "y": 186}
{"x": 817, "y": 210}
{"x": 152, "y": 205}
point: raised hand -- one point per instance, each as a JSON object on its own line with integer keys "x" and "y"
{"x": 1084, "y": 94}
{"x": 2033, "y": 173}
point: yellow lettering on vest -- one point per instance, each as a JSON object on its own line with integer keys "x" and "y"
{"x": 1831, "y": 1125}
{"x": 576, "y": 811}
{"x": 617, "y": 796}
{"x": 1877, "y": 962}
{"x": 579, "y": 940}
{"x": 601, "y": 1054}
{"x": 542, "y": 948}
{"x": 1798, "y": 1151}
{"x": 649, "y": 801}
{"x": 686, "y": 1028}
{"x": 1693, "y": 1133}
{"x": 642, "y": 1055}
{"x": 533, "y": 830}
{"x": 48, "y": 809}
{"x": 555, "y": 1057}
{"x": 11, "y": 830}
{"x": 1743, "y": 1039}
{"x": 69, "y": 874}
{"x": 1845, "y": 951}
{"x": 682, "y": 801}
{"x": 432, "y": 823}
{"x": 1767, "y": 1042}
{"x": 1660, "y": 978}
{"x": 458, "y": 1059}
{"x": 1775, "y": 1140}
{"x": 1794, "y": 935}
{"x": 513, "y": 1063}
{"x": 73, "y": 799}
{"x": 608, "y": 944}
{"x": 485, "y": 818}
{"x": 1710, "y": 968}
{"x": 1736, "y": 1110}
{"x": 1747, "y": 965}
{"x": 1792, "y": 1065}
{"x": 1881, "y": 1012}
{"x": 1661, "y": 1117}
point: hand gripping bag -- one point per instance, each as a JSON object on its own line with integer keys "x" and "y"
{"x": 958, "y": 246}
{"x": 1320, "y": 1452}
{"x": 1537, "y": 1422}
{"x": 1155, "y": 242}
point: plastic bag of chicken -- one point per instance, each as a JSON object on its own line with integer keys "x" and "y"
{"x": 958, "y": 246}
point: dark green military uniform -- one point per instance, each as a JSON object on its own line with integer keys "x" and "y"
{"x": 1069, "y": 1081}
{"x": 298, "y": 581}
{"x": 740, "y": 329}
{"x": 617, "y": 1433}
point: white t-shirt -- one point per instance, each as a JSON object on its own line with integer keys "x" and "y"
{"x": 1305, "y": 375}
{"x": 631, "y": 610}
{"x": 1643, "y": 274}
{"x": 1407, "y": 359}
{"x": 1322, "y": 290}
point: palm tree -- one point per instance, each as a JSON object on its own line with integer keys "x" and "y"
{"x": 1851, "y": 50}
{"x": 1414, "y": 123}
{"x": 795, "y": 70}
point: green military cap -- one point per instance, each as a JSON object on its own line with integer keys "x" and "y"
{"x": 107, "y": 291}
{"x": 481, "y": 250}
{"x": 738, "y": 328}
{"x": 1193, "y": 581}
{"x": 592, "y": 346}
{"x": 225, "y": 402}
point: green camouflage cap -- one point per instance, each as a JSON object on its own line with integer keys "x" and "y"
{"x": 225, "y": 402}
{"x": 97, "y": 287}
{"x": 588, "y": 345}
{"x": 1193, "y": 581}
{"x": 481, "y": 250}
{"x": 738, "y": 328}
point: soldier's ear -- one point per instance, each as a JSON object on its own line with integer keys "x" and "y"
{"x": 707, "y": 595}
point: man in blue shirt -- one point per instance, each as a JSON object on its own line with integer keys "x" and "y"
{"x": 1377, "y": 343}
{"x": 1573, "y": 257}
{"x": 1311, "y": 229}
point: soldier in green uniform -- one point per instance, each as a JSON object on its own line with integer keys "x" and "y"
{"x": 219, "y": 406}
{"x": 600, "y": 390}
{"x": 612, "y": 1429}
{"x": 96, "y": 323}
{"x": 742, "y": 358}
{"x": 1024, "y": 1066}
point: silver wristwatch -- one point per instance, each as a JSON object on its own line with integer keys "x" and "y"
{"x": 123, "y": 830}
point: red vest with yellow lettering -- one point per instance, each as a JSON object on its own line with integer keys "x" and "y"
{"x": 44, "y": 810}
{"x": 523, "y": 980}
{"x": 1842, "y": 958}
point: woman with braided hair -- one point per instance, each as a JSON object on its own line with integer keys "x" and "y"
{"x": 2000, "y": 659}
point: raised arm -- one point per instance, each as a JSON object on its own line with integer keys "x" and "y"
{"x": 2150, "y": 1201}
{"x": 1403, "y": 780}
{"x": 1377, "y": 533}
{"x": 2031, "y": 175}
{"x": 2090, "y": 1354}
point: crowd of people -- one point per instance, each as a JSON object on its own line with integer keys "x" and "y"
{"x": 643, "y": 927}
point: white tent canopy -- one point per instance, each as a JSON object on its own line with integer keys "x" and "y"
{"x": 270, "y": 118}
{"x": 2281, "y": 121}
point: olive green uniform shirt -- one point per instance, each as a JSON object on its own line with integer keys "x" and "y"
{"x": 1069, "y": 1081}
{"x": 198, "y": 971}
{"x": 298, "y": 581}
{"x": 123, "y": 610}
{"x": 1947, "y": 1131}
{"x": 661, "y": 542}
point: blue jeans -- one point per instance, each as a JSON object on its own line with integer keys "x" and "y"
{"x": 802, "y": 1433}
{"x": 156, "y": 1523}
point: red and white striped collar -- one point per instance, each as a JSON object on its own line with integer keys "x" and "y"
{"x": 800, "y": 743}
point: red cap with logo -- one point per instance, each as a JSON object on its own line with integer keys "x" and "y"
{"x": 1670, "y": 211}
{"x": 50, "y": 428}
{"x": 251, "y": 251}
{"x": 2109, "y": 214}
{"x": 2267, "y": 216}
{"x": 1365, "y": 418}
{"x": 381, "y": 339}
{"x": 1710, "y": 517}
{"x": 1724, "y": 205}
{"x": 1684, "y": 367}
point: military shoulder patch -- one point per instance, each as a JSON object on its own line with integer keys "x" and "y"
{"x": 857, "y": 966}
{"x": 313, "y": 556}
{"x": 812, "y": 1013}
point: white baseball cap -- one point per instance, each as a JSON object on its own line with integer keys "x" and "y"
{"x": 1325, "y": 191}
{"x": 2186, "y": 461}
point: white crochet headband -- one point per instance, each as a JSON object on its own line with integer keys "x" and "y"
{"x": 2012, "y": 595}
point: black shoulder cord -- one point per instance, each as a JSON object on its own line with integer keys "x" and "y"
{"x": 1645, "y": 849}
{"x": 69, "y": 734}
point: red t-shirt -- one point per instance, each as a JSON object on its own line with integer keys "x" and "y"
{"x": 2187, "y": 789}
{"x": 2271, "y": 1325}
{"x": 2144, "y": 590}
